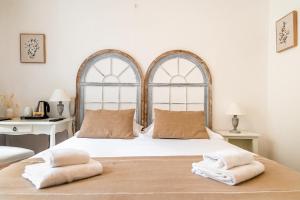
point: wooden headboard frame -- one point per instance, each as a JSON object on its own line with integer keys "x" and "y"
{"x": 198, "y": 63}
{"x": 81, "y": 81}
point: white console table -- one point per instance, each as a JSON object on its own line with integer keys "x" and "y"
{"x": 36, "y": 127}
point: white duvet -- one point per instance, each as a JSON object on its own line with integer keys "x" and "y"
{"x": 144, "y": 145}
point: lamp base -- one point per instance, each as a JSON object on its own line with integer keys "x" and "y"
{"x": 234, "y": 131}
{"x": 60, "y": 108}
{"x": 235, "y": 123}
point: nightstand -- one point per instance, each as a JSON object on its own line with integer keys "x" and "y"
{"x": 44, "y": 126}
{"x": 246, "y": 140}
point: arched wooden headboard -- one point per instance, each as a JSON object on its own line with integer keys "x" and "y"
{"x": 178, "y": 80}
{"x": 109, "y": 79}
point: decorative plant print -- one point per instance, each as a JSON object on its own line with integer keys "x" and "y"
{"x": 284, "y": 33}
{"x": 32, "y": 46}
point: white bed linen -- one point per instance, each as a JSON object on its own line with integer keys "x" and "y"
{"x": 143, "y": 145}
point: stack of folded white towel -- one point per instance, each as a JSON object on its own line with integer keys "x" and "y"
{"x": 228, "y": 166}
{"x": 62, "y": 166}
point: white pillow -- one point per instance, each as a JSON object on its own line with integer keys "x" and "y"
{"x": 149, "y": 130}
{"x": 137, "y": 128}
{"x": 212, "y": 135}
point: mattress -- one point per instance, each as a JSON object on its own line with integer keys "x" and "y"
{"x": 146, "y": 168}
{"x": 143, "y": 145}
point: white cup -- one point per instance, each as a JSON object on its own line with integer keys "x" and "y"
{"x": 27, "y": 111}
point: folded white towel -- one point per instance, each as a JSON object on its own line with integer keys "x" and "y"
{"x": 43, "y": 175}
{"x": 228, "y": 158}
{"x": 232, "y": 176}
{"x": 64, "y": 157}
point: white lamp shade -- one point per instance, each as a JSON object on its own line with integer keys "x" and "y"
{"x": 59, "y": 95}
{"x": 234, "y": 109}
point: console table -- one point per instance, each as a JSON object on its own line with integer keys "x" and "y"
{"x": 36, "y": 127}
{"x": 245, "y": 139}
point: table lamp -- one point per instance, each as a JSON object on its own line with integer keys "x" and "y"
{"x": 59, "y": 95}
{"x": 234, "y": 110}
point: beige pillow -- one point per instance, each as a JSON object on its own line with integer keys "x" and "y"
{"x": 107, "y": 124}
{"x": 179, "y": 124}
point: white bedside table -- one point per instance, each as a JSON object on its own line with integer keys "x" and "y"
{"x": 36, "y": 127}
{"x": 246, "y": 140}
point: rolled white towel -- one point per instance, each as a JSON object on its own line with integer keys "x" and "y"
{"x": 42, "y": 175}
{"x": 232, "y": 176}
{"x": 228, "y": 158}
{"x": 64, "y": 157}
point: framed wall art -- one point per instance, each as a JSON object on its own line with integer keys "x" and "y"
{"x": 32, "y": 48}
{"x": 286, "y": 32}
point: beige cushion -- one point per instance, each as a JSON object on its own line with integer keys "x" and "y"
{"x": 179, "y": 124}
{"x": 107, "y": 124}
{"x": 10, "y": 155}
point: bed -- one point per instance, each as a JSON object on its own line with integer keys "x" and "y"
{"x": 146, "y": 168}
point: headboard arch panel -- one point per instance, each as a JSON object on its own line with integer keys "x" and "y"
{"x": 178, "y": 80}
{"x": 109, "y": 79}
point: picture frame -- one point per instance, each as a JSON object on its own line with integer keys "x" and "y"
{"x": 32, "y": 48}
{"x": 286, "y": 32}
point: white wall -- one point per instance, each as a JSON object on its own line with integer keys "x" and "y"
{"x": 229, "y": 35}
{"x": 283, "y": 92}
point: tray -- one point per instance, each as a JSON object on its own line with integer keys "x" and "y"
{"x": 33, "y": 118}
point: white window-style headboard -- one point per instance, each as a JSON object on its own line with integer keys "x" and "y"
{"x": 178, "y": 80}
{"x": 109, "y": 79}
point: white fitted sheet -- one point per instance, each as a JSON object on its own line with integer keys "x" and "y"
{"x": 143, "y": 145}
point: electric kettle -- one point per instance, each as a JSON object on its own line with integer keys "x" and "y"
{"x": 42, "y": 108}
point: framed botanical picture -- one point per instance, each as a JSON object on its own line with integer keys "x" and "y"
{"x": 32, "y": 48}
{"x": 286, "y": 32}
